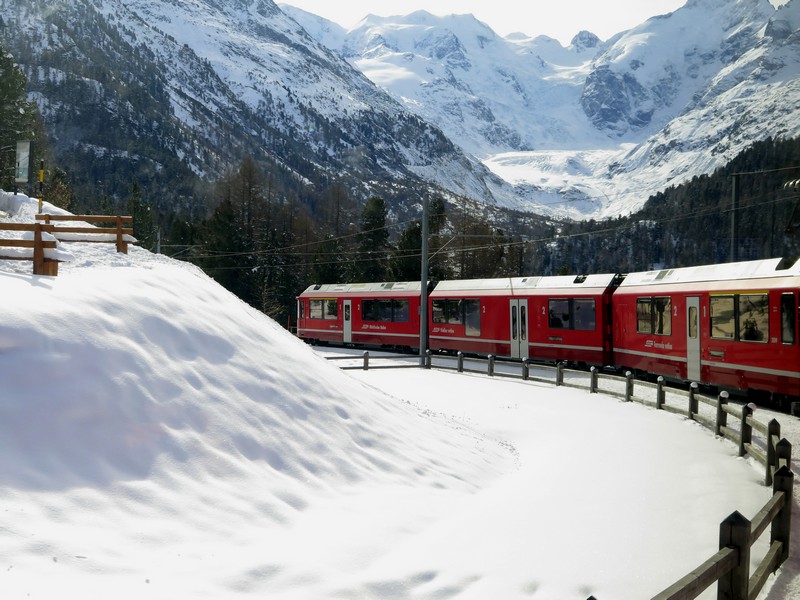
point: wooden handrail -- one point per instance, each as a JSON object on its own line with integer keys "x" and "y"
{"x": 118, "y": 230}
{"x": 89, "y": 218}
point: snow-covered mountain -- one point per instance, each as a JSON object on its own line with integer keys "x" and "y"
{"x": 208, "y": 81}
{"x": 592, "y": 129}
{"x": 404, "y": 106}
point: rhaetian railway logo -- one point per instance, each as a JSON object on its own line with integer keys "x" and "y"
{"x": 373, "y": 327}
{"x": 443, "y": 330}
{"x": 659, "y": 345}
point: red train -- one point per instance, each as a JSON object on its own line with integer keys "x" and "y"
{"x": 732, "y": 326}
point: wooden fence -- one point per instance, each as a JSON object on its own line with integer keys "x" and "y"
{"x": 41, "y": 264}
{"x": 730, "y": 566}
{"x": 121, "y": 233}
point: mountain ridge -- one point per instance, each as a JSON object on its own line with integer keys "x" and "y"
{"x": 616, "y": 104}
{"x": 140, "y": 90}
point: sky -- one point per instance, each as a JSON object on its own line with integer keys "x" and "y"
{"x": 560, "y": 20}
{"x": 161, "y": 439}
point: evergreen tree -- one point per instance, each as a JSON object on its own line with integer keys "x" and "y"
{"x": 58, "y": 190}
{"x": 226, "y": 254}
{"x": 373, "y": 263}
{"x": 406, "y": 264}
{"x": 330, "y": 263}
{"x": 18, "y": 117}
{"x": 143, "y": 228}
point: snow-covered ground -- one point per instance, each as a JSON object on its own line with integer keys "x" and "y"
{"x": 161, "y": 439}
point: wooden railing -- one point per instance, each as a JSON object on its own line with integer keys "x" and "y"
{"x": 730, "y": 566}
{"x": 122, "y": 235}
{"x": 42, "y": 265}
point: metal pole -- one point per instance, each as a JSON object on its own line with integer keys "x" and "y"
{"x": 734, "y": 222}
{"x": 423, "y": 306}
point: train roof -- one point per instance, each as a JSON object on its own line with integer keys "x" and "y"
{"x": 388, "y": 287}
{"x": 754, "y": 269}
{"x": 530, "y": 284}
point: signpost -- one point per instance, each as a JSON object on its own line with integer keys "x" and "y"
{"x": 24, "y": 165}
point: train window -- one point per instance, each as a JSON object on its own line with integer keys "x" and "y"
{"x": 584, "y": 314}
{"x": 654, "y": 315}
{"x": 644, "y": 321}
{"x": 396, "y": 311}
{"x": 742, "y": 317}
{"x": 788, "y": 318}
{"x": 401, "y": 311}
{"x": 472, "y": 317}
{"x": 315, "y": 309}
{"x": 447, "y": 312}
{"x": 559, "y": 313}
{"x": 331, "y": 310}
{"x": 438, "y": 315}
{"x": 723, "y": 318}
{"x": 662, "y": 316}
{"x": 753, "y": 317}
{"x": 572, "y": 313}
{"x": 459, "y": 312}
{"x": 323, "y": 309}
{"x": 693, "y": 322}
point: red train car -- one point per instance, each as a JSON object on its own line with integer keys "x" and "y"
{"x": 733, "y": 325}
{"x": 370, "y": 314}
{"x": 562, "y": 318}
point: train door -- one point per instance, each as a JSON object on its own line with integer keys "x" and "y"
{"x": 693, "y": 338}
{"x": 519, "y": 328}
{"x": 347, "y": 321}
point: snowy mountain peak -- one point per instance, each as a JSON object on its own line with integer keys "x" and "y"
{"x": 585, "y": 40}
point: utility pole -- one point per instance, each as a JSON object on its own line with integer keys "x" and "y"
{"x": 734, "y": 222}
{"x": 423, "y": 307}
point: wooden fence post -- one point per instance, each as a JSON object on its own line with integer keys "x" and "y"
{"x": 734, "y": 532}
{"x": 660, "y": 393}
{"x": 693, "y": 402}
{"x": 745, "y": 429}
{"x": 782, "y": 524}
{"x": 366, "y": 360}
{"x": 593, "y": 384}
{"x": 559, "y": 374}
{"x": 783, "y": 454}
{"x": 490, "y": 365}
{"x": 773, "y": 437}
{"x": 722, "y": 416}
{"x": 38, "y": 250}
{"x": 122, "y": 245}
{"x": 628, "y": 386}
{"x": 460, "y": 361}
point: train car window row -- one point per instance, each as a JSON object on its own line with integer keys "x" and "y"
{"x": 788, "y": 318}
{"x": 459, "y": 312}
{"x": 385, "y": 311}
{"x": 572, "y": 313}
{"x": 323, "y": 309}
{"x": 741, "y": 317}
{"x": 654, "y": 315}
